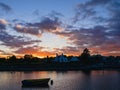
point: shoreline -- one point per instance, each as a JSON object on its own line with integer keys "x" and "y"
{"x": 58, "y": 69}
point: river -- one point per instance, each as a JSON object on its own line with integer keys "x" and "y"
{"x": 67, "y": 80}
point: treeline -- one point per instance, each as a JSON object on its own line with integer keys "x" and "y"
{"x": 85, "y": 60}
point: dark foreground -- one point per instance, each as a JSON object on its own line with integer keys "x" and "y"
{"x": 57, "y": 67}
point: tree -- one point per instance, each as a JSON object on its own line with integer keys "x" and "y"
{"x": 28, "y": 57}
{"x": 85, "y": 56}
{"x": 12, "y": 58}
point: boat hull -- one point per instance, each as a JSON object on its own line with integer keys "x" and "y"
{"x": 36, "y": 82}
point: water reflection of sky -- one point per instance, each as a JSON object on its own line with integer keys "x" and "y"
{"x": 67, "y": 80}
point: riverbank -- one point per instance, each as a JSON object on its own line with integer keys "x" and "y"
{"x": 56, "y": 68}
{"x": 71, "y": 66}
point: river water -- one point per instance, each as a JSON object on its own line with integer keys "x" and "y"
{"x": 67, "y": 80}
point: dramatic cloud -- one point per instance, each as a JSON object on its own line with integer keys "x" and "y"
{"x": 104, "y": 35}
{"x": 96, "y": 39}
{"x": 47, "y": 24}
{"x": 95, "y": 25}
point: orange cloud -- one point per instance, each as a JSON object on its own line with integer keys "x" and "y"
{"x": 35, "y": 51}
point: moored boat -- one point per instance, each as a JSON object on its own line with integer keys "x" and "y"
{"x": 36, "y": 82}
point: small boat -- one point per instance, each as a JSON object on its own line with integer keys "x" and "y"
{"x": 36, "y": 82}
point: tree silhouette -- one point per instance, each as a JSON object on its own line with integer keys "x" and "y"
{"x": 12, "y": 58}
{"x": 28, "y": 58}
{"x": 85, "y": 56}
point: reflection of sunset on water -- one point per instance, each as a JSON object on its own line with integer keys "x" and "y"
{"x": 65, "y": 80}
{"x": 45, "y": 74}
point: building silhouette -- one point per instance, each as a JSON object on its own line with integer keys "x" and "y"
{"x": 60, "y": 58}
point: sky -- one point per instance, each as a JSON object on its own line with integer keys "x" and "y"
{"x": 46, "y": 27}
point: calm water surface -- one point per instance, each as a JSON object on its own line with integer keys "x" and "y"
{"x": 69, "y": 80}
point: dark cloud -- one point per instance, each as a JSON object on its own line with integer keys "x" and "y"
{"x": 88, "y": 36}
{"x": 5, "y": 7}
{"x": 27, "y": 30}
{"x": 47, "y": 24}
{"x": 5, "y": 37}
{"x": 96, "y": 39}
{"x": 14, "y": 41}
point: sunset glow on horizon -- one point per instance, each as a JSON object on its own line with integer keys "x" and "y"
{"x": 43, "y": 27}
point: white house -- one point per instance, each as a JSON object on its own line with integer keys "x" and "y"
{"x": 61, "y": 58}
